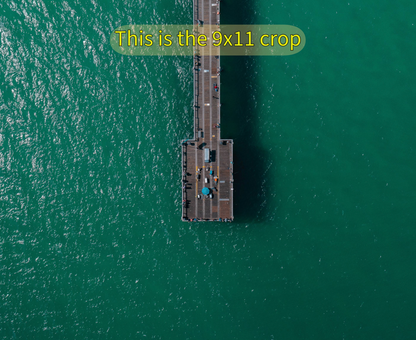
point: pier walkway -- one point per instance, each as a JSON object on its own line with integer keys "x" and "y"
{"x": 207, "y": 187}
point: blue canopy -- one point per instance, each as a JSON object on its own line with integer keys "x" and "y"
{"x": 205, "y": 191}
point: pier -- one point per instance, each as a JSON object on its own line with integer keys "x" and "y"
{"x": 207, "y": 160}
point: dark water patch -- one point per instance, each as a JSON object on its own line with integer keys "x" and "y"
{"x": 239, "y": 120}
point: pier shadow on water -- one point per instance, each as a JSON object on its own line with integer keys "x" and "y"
{"x": 240, "y": 121}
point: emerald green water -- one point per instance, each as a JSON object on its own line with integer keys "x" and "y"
{"x": 91, "y": 242}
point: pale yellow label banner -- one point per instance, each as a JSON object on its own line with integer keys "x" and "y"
{"x": 226, "y": 40}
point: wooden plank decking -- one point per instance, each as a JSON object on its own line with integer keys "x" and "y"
{"x": 207, "y": 128}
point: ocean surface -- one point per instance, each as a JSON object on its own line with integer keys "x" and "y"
{"x": 324, "y": 240}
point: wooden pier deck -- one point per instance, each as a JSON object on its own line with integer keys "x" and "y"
{"x": 217, "y": 174}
